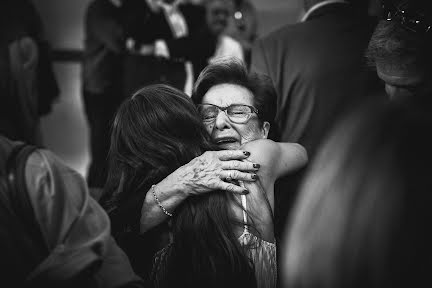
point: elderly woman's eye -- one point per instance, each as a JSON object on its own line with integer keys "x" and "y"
{"x": 207, "y": 116}
{"x": 239, "y": 110}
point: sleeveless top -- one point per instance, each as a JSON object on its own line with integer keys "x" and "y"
{"x": 261, "y": 252}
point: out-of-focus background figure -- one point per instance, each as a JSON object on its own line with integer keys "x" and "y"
{"x": 52, "y": 233}
{"x": 162, "y": 36}
{"x": 105, "y": 44}
{"x": 28, "y": 86}
{"x": 319, "y": 71}
{"x": 362, "y": 214}
{"x": 244, "y": 26}
{"x": 400, "y": 49}
{"x": 218, "y": 16}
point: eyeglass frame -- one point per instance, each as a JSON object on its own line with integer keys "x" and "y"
{"x": 225, "y": 110}
{"x": 405, "y": 18}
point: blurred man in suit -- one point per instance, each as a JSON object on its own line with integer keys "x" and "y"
{"x": 317, "y": 67}
{"x": 105, "y": 45}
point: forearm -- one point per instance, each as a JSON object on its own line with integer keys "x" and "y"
{"x": 170, "y": 194}
{"x": 201, "y": 175}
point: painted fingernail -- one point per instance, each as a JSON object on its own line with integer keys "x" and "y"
{"x": 256, "y": 165}
{"x": 245, "y": 192}
{"x": 246, "y": 153}
{"x": 254, "y": 176}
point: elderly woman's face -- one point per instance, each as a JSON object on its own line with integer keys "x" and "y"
{"x": 225, "y": 132}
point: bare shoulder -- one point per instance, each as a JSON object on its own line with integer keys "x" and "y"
{"x": 278, "y": 157}
{"x": 261, "y": 149}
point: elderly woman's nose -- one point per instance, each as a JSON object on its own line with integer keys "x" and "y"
{"x": 222, "y": 121}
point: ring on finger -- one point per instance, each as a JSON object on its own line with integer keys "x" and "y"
{"x": 229, "y": 177}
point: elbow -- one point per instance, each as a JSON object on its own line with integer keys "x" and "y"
{"x": 303, "y": 155}
{"x": 300, "y": 158}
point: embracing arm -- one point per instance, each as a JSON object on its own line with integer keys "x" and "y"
{"x": 276, "y": 158}
{"x": 203, "y": 174}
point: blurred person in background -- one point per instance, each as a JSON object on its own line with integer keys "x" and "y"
{"x": 219, "y": 14}
{"x": 363, "y": 213}
{"x": 52, "y": 233}
{"x": 28, "y": 87}
{"x": 244, "y": 26}
{"x": 105, "y": 45}
{"x": 167, "y": 42}
{"x": 400, "y": 49}
{"x": 319, "y": 71}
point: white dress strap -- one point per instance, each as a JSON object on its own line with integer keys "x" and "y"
{"x": 244, "y": 205}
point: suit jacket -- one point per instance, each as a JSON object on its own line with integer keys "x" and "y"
{"x": 145, "y": 26}
{"x": 318, "y": 69}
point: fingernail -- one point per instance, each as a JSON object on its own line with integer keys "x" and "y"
{"x": 245, "y": 192}
{"x": 246, "y": 153}
{"x": 254, "y": 176}
{"x": 256, "y": 165}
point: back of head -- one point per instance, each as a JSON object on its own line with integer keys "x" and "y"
{"x": 360, "y": 5}
{"x": 404, "y": 35}
{"x": 363, "y": 213}
{"x": 232, "y": 71}
{"x": 155, "y": 132}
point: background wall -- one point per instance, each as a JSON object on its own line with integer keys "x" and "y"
{"x": 65, "y": 130}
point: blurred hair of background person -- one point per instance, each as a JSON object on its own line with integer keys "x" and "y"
{"x": 363, "y": 214}
{"x": 319, "y": 71}
{"x": 244, "y": 26}
{"x": 401, "y": 48}
{"x": 52, "y": 233}
{"x": 28, "y": 87}
{"x": 102, "y": 80}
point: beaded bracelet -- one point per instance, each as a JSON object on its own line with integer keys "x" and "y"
{"x": 159, "y": 203}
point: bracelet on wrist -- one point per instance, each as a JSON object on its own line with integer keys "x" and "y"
{"x": 158, "y": 202}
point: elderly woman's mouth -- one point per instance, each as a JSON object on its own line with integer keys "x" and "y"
{"x": 226, "y": 140}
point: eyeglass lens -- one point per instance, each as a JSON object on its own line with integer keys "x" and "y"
{"x": 236, "y": 113}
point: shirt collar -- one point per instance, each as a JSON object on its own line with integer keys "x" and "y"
{"x": 318, "y": 6}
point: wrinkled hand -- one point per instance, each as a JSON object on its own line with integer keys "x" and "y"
{"x": 215, "y": 170}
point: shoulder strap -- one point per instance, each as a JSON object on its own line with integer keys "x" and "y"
{"x": 17, "y": 186}
{"x": 244, "y": 206}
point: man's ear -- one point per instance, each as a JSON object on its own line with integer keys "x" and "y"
{"x": 265, "y": 129}
{"x": 28, "y": 52}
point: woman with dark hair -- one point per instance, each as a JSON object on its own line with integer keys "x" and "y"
{"x": 363, "y": 214}
{"x": 159, "y": 142}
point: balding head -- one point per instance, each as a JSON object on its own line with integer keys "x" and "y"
{"x": 361, "y": 5}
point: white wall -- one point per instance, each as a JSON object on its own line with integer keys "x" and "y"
{"x": 65, "y": 130}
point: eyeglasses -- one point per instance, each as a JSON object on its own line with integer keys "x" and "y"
{"x": 237, "y": 113}
{"x": 411, "y": 20}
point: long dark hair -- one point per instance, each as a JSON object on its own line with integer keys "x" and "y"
{"x": 155, "y": 132}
